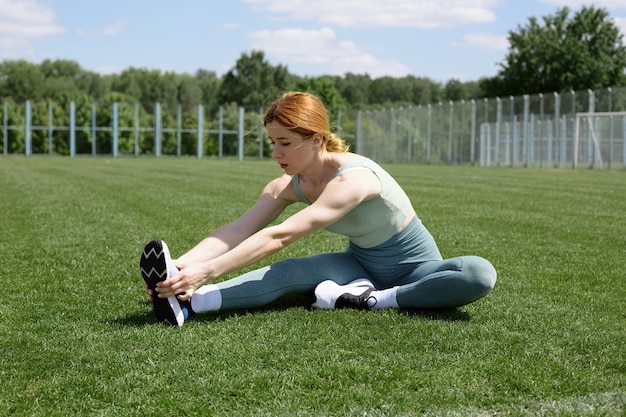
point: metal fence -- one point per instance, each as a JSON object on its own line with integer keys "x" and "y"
{"x": 538, "y": 130}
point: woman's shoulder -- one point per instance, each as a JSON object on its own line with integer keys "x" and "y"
{"x": 282, "y": 188}
{"x": 349, "y": 159}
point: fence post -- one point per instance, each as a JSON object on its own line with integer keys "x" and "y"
{"x": 563, "y": 133}
{"x": 624, "y": 141}
{"x": 358, "y": 142}
{"x": 409, "y": 134}
{"x": 72, "y": 129}
{"x": 50, "y": 128}
{"x": 115, "y": 131}
{"x": 5, "y": 129}
{"x": 261, "y": 133}
{"x": 136, "y": 129}
{"x": 393, "y": 143}
{"x": 240, "y": 135}
{"x": 157, "y": 129}
{"x": 429, "y": 132}
{"x": 473, "y": 134}
{"x": 611, "y": 131}
{"x": 27, "y": 127}
{"x": 594, "y": 158}
{"x": 525, "y": 122}
{"x": 200, "y": 129}
{"x": 498, "y": 126}
{"x": 557, "y": 127}
{"x": 93, "y": 129}
{"x": 179, "y": 126}
{"x": 515, "y": 141}
{"x": 541, "y": 130}
{"x": 220, "y": 132}
{"x": 450, "y": 131}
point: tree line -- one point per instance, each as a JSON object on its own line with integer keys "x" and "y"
{"x": 561, "y": 52}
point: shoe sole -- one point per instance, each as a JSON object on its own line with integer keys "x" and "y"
{"x": 154, "y": 270}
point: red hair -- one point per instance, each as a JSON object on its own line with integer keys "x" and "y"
{"x": 306, "y": 115}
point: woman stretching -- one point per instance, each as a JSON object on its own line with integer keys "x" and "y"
{"x": 391, "y": 261}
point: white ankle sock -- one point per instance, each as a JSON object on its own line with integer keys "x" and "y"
{"x": 385, "y": 298}
{"x": 206, "y": 298}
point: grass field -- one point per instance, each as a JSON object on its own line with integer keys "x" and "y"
{"x": 77, "y": 336}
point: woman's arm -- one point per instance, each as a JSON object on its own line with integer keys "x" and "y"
{"x": 340, "y": 196}
{"x": 268, "y": 207}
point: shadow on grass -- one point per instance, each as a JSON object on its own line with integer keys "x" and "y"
{"x": 283, "y": 304}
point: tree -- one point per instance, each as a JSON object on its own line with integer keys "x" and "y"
{"x": 425, "y": 90}
{"x": 563, "y": 53}
{"x": 354, "y": 89}
{"x": 254, "y": 82}
{"x": 454, "y": 90}
{"x": 389, "y": 90}
{"x": 324, "y": 88}
{"x": 209, "y": 86}
{"x": 21, "y": 81}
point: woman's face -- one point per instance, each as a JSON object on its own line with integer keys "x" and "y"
{"x": 289, "y": 148}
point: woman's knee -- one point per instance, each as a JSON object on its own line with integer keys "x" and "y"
{"x": 482, "y": 272}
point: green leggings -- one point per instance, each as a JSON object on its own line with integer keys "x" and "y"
{"x": 409, "y": 260}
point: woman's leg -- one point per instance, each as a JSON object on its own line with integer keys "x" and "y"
{"x": 290, "y": 276}
{"x": 448, "y": 283}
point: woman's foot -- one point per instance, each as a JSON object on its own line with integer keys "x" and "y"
{"x": 156, "y": 265}
{"x": 357, "y": 294}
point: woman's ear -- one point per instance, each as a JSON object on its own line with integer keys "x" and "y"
{"x": 317, "y": 139}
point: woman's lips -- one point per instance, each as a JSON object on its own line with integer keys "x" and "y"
{"x": 283, "y": 166}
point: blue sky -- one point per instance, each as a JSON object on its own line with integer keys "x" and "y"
{"x": 438, "y": 39}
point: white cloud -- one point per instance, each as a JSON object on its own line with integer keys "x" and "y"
{"x": 116, "y": 27}
{"x": 112, "y": 29}
{"x": 27, "y": 19}
{"x": 486, "y": 41}
{"x": 322, "y": 48}
{"x": 22, "y": 21}
{"x": 377, "y": 13}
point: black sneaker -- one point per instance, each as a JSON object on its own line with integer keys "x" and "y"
{"x": 156, "y": 266}
{"x": 364, "y": 301}
{"x": 357, "y": 294}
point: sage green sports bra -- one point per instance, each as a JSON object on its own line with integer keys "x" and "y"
{"x": 374, "y": 221}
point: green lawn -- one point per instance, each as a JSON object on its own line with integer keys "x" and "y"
{"x": 77, "y": 336}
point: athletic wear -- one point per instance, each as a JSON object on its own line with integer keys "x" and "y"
{"x": 374, "y": 221}
{"x": 408, "y": 263}
{"x": 156, "y": 265}
{"x": 329, "y": 295}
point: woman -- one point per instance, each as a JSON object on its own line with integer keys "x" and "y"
{"x": 391, "y": 261}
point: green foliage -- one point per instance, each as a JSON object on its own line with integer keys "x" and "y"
{"x": 583, "y": 52}
{"x": 20, "y": 80}
{"x": 13, "y": 114}
{"x": 253, "y": 82}
{"x": 79, "y": 337}
{"x": 324, "y": 88}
